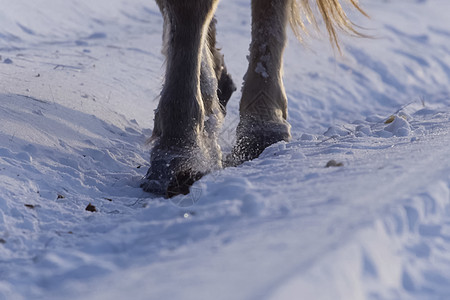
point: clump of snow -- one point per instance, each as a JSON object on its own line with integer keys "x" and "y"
{"x": 307, "y": 137}
{"x": 363, "y": 130}
{"x": 260, "y": 69}
{"x": 336, "y": 131}
{"x": 399, "y": 126}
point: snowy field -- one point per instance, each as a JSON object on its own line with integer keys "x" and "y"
{"x": 79, "y": 82}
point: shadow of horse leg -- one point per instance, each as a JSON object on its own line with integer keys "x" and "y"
{"x": 263, "y": 107}
{"x": 181, "y": 153}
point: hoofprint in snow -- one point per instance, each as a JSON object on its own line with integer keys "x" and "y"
{"x": 79, "y": 83}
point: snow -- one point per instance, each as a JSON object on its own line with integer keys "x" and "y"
{"x": 79, "y": 84}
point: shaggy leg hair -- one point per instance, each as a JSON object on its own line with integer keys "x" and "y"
{"x": 263, "y": 106}
{"x": 197, "y": 87}
{"x": 182, "y": 142}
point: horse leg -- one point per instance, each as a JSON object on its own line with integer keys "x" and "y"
{"x": 179, "y": 155}
{"x": 263, "y": 106}
{"x": 216, "y": 87}
{"x": 225, "y": 85}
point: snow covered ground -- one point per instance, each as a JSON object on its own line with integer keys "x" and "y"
{"x": 79, "y": 82}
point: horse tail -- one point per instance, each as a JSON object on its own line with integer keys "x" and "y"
{"x": 333, "y": 16}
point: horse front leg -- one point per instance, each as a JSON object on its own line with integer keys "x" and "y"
{"x": 180, "y": 155}
{"x": 263, "y": 106}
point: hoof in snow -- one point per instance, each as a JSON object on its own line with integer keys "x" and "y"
{"x": 254, "y": 136}
{"x": 181, "y": 183}
{"x": 170, "y": 175}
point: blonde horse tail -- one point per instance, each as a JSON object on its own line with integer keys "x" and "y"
{"x": 333, "y": 16}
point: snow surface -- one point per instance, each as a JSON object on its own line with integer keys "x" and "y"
{"x": 79, "y": 82}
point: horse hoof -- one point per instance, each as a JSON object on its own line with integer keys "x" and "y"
{"x": 226, "y": 87}
{"x": 181, "y": 183}
{"x": 170, "y": 175}
{"x": 255, "y": 136}
{"x": 157, "y": 178}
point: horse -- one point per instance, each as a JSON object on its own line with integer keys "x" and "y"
{"x": 197, "y": 87}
